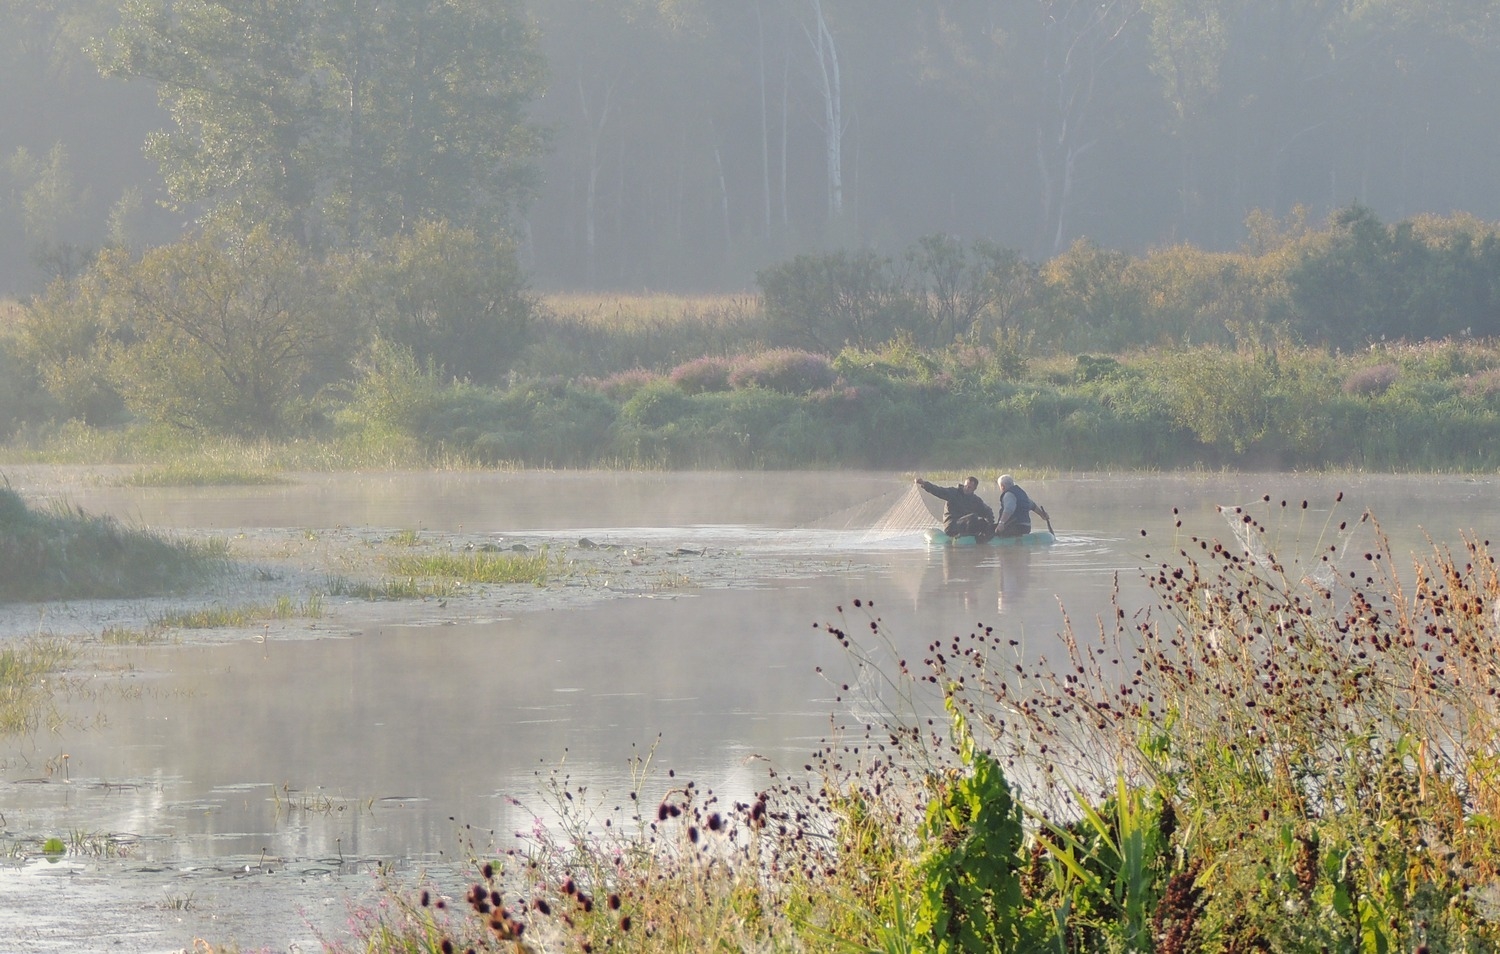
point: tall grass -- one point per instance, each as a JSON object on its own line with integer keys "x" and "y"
{"x": 179, "y": 458}
{"x": 200, "y": 474}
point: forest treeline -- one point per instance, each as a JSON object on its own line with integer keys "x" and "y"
{"x": 362, "y": 202}
{"x": 1353, "y": 343}
{"x": 688, "y": 144}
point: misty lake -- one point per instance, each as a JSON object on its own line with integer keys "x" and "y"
{"x": 223, "y": 768}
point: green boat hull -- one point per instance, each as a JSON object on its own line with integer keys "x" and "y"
{"x": 938, "y": 538}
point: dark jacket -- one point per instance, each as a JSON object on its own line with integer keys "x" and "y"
{"x": 1020, "y": 519}
{"x": 959, "y": 505}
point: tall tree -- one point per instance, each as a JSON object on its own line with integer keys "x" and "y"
{"x": 345, "y": 121}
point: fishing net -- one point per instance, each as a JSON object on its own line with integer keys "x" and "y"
{"x": 896, "y": 514}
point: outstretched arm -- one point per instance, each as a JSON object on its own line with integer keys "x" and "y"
{"x": 942, "y": 493}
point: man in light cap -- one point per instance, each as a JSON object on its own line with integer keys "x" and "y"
{"x": 1016, "y": 509}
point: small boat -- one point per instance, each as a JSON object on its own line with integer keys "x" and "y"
{"x": 938, "y": 538}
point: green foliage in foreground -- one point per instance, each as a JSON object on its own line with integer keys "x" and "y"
{"x": 1287, "y": 752}
{"x": 69, "y": 554}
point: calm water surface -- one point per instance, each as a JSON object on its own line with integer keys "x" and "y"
{"x": 370, "y": 747}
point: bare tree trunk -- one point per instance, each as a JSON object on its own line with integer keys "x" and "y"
{"x": 358, "y": 172}
{"x": 595, "y": 128}
{"x": 723, "y": 190}
{"x": 1082, "y": 36}
{"x": 833, "y": 108}
{"x": 786, "y": 87}
{"x": 765, "y": 125}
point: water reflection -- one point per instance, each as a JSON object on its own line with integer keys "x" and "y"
{"x": 383, "y": 745}
{"x": 980, "y": 579}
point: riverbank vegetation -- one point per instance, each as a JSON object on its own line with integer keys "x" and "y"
{"x": 69, "y": 554}
{"x": 1287, "y": 751}
{"x": 1350, "y": 345}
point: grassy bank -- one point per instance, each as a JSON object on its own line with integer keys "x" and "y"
{"x": 1287, "y": 751}
{"x": 69, "y": 554}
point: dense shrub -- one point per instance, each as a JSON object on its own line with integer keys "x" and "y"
{"x": 224, "y": 333}
{"x": 1371, "y": 381}
{"x": 656, "y": 405}
{"x": 783, "y": 369}
{"x": 1362, "y": 280}
{"x": 826, "y": 302}
{"x": 622, "y": 385}
{"x": 702, "y": 375}
{"x": 556, "y": 426}
{"x": 1484, "y": 385}
{"x": 453, "y": 297}
{"x": 896, "y": 360}
{"x": 68, "y": 335}
{"x": 393, "y": 393}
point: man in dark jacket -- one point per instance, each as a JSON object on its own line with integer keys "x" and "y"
{"x": 1016, "y": 508}
{"x": 964, "y": 514}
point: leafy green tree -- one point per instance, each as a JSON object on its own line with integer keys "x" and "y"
{"x": 958, "y": 288}
{"x": 1189, "y": 296}
{"x": 1088, "y": 301}
{"x": 50, "y": 200}
{"x": 1361, "y": 280}
{"x": 224, "y": 334}
{"x": 68, "y": 334}
{"x": 343, "y": 121}
{"x": 456, "y": 299}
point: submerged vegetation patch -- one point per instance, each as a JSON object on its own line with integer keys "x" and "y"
{"x": 26, "y": 688}
{"x": 195, "y": 474}
{"x": 477, "y": 567}
{"x": 69, "y": 554}
{"x": 405, "y": 588}
{"x": 228, "y": 617}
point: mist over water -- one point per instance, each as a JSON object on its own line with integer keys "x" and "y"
{"x": 379, "y": 745}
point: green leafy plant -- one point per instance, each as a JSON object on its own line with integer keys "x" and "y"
{"x": 971, "y": 898}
